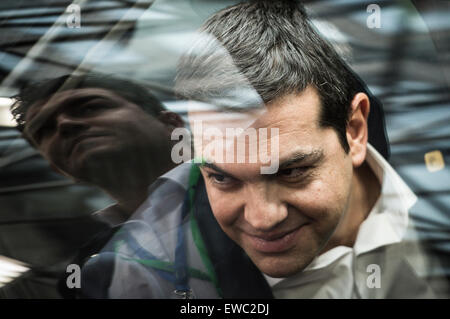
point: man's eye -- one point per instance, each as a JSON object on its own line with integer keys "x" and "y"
{"x": 90, "y": 108}
{"x": 293, "y": 173}
{"x": 220, "y": 179}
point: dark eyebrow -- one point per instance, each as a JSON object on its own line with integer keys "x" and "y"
{"x": 71, "y": 101}
{"x": 298, "y": 157}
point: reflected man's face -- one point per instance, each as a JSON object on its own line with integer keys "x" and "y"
{"x": 83, "y": 130}
{"x": 283, "y": 220}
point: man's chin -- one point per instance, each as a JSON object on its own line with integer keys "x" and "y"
{"x": 88, "y": 167}
{"x": 279, "y": 267}
{"x": 281, "y": 273}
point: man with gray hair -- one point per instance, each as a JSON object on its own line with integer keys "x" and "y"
{"x": 332, "y": 222}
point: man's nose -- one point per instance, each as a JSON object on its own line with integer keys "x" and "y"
{"x": 263, "y": 209}
{"x": 68, "y": 125}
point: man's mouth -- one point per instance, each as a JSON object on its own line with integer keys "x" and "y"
{"x": 79, "y": 139}
{"x": 274, "y": 243}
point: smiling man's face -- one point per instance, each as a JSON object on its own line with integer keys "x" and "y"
{"x": 84, "y": 131}
{"x": 284, "y": 220}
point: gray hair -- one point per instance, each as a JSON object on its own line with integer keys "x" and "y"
{"x": 272, "y": 47}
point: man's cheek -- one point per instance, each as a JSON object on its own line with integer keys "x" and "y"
{"x": 214, "y": 200}
{"x": 326, "y": 192}
{"x": 222, "y": 215}
{"x": 312, "y": 200}
{"x": 223, "y": 210}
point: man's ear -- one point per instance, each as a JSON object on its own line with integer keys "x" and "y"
{"x": 357, "y": 131}
{"x": 170, "y": 119}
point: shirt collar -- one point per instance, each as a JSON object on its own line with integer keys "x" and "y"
{"x": 172, "y": 182}
{"x": 178, "y": 175}
{"x": 390, "y": 211}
